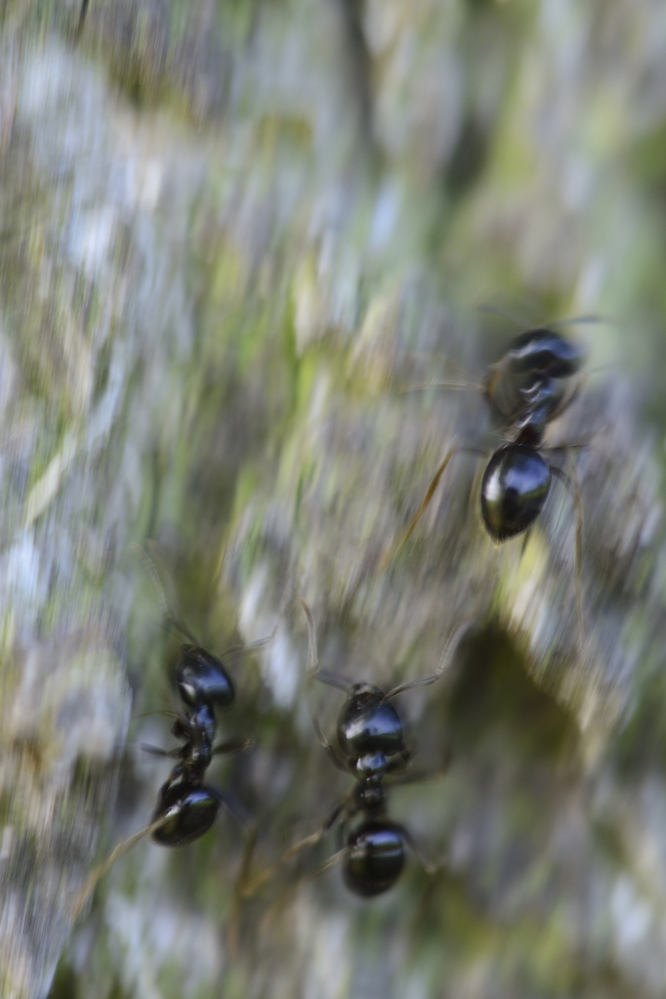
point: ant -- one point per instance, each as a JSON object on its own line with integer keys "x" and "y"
{"x": 525, "y": 391}
{"x": 370, "y": 736}
{"x": 186, "y": 806}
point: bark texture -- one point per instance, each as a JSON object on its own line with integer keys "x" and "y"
{"x": 232, "y": 234}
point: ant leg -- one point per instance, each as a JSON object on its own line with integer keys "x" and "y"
{"x": 236, "y": 745}
{"x": 389, "y": 556}
{"x": 171, "y": 754}
{"x": 82, "y": 19}
{"x": 237, "y": 898}
{"x": 313, "y": 670}
{"x": 292, "y": 890}
{"x": 249, "y": 889}
{"x": 335, "y": 759}
{"x": 444, "y": 662}
{"x": 233, "y": 807}
{"x": 573, "y": 487}
{"x": 122, "y": 848}
{"x": 428, "y": 866}
{"x": 420, "y": 776}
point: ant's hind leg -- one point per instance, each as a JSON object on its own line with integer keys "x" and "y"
{"x": 252, "y": 886}
{"x": 286, "y": 896}
{"x": 122, "y": 848}
{"x": 573, "y": 487}
{"x": 429, "y": 866}
{"x": 389, "y": 555}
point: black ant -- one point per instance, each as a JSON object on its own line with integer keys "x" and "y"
{"x": 186, "y": 806}
{"x": 370, "y": 735}
{"x": 526, "y": 391}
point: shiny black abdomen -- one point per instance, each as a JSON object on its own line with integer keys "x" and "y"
{"x": 197, "y": 812}
{"x": 367, "y": 725}
{"x": 513, "y": 491}
{"x": 375, "y": 859}
{"x": 544, "y": 351}
{"x": 202, "y": 677}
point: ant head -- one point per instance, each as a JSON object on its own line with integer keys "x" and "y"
{"x": 545, "y": 351}
{"x": 367, "y": 724}
{"x": 375, "y": 857}
{"x": 513, "y": 490}
{"x": 200, "y": 676}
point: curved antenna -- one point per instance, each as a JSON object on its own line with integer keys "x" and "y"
{"x": 313, "y": 670}
{"x": 169, "y": 623}
{"x": 163, "y": 713}
{"x": 260, "y": 642}
{"x": 552, "y": 325}
{"x": 149, "y": 566}
{"x": 462, "y": 386}
{"x": 576, "y": 320}
{"x": 444, "y": 662}
{"x": 495, "y": 310}
{"x": 174, "y": 627}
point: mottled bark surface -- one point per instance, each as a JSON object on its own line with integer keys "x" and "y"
{"x": 231, "y": 235}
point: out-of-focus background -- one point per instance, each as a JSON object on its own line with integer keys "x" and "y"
{"x": 232, "y": 233}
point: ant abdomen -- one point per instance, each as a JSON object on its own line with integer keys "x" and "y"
{"x": 201, "y": 676}
{"x": 375, "y": 857}
{"x": 513, "y": 490}
{"x": 366, "y": 728}
{"x": 195, "y": 811}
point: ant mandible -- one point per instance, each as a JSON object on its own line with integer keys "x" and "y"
{"x": 370, "y": 736}
{"x": 526, "y": 391}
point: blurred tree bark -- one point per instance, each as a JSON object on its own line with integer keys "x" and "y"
{"x": 232, "y": 234}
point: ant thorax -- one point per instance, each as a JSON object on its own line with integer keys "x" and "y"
{"x": 369, "y": 793}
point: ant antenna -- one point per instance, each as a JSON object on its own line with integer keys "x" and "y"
{"x": 259, "y": 642}
{"x": 169, "y": 623}
{"x": 313, "y": 670}
{"x": 462, "y": 386}
{"x": 149, "y": 565}
{"x": 452, "y": 643}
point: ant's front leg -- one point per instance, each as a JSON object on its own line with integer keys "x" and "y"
{"x": 171, "y": 754}
{"x": 233, "y": 745}
{"x": 417, "y": 776}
